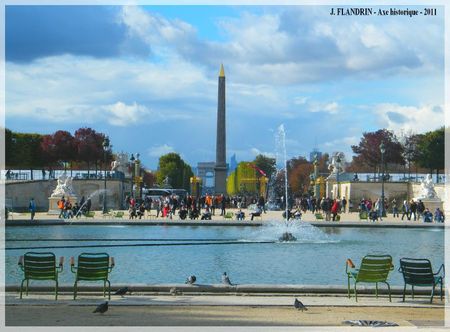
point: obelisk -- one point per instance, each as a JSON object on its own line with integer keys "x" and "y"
{"x": 220, "y": 168}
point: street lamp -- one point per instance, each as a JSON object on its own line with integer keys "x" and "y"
{"x": 132, "y": 174}
{"x": 338, "y": 163}
{"x": 105, "y": 149}
{"x": 382, "y": 150}
{"x": 137, "y": 173}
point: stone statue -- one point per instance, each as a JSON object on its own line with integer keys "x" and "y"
{"x": 64, "y": 187}
{"x": 335, "y": 165}
{"x": 120, "y": 164}
{"x": 427, "y": 187}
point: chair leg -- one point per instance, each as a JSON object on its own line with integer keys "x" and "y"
{"x": 356, "y": 294}
{"x": 109, "y": 289}
{"x": 404, "y": 291}
{"x": 104, "y": 288}
{"x": 376, "y": 290}
{"x": 441, "y": 289}
{"x": 389, "y": 291}
{"x": 412, "y": 292}
{"x": 75, "y": 290}
{"x": 348, "y": 287}
{"x": 432, "y": 293}
{"x": 21, "y": 288}
{"x": 27, "y": 287}
{"x": 56, "y": 289}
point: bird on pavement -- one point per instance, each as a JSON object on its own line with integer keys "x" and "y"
{"x": 102, "y": 308}
{"x": 122, "y": 291}
{"x": 299, "y": 305}
{"x": 226, "y": 279}
{"x": 191, "y": 280}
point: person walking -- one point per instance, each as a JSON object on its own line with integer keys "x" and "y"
{"x": 413, "y": 209}
{"x": 394, "y": 208}
{"x": 406, "y": 210}
{"x": 32, "y": 208}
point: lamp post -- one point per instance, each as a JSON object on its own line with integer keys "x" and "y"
{"x": 105, "y": 149}
{"x": 338, "y": 163}
{"x": 382, "y": 150}
{"x": 132, "y": 174}
{"x": 137, "y": 176}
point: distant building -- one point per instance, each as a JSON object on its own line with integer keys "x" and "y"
{"x": 233, "y": 164}
{"x": 314, "y": 154}
{"x": 205, "y": 171}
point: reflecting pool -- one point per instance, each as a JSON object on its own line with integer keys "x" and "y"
{"x": 250, "y": 255}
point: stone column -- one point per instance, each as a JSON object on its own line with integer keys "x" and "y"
{"x": 220, "y": 168}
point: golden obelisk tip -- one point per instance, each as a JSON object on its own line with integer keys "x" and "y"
{"x": 222, "y": 71}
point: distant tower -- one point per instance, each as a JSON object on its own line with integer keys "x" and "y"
{"x": 220, "y": 169}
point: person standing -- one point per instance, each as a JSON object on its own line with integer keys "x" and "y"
{"x": 344, "y": 204}
{"x": 394, "y": 208}
{"x": 413, "y": 208}
{"x": 32, "y": 208}
{"x": 223, "y": 203}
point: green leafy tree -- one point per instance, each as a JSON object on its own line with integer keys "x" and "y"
{"x": 431, "y": 152}
{"x": 266, "y": 164}
{"x": 172, "y": 167}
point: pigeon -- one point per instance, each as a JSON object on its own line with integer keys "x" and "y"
{"x": 191, "y": 280}
{"x": 122, "y": 291}
{"x": 226, "y": 280}
{"x": 102, "y": 308}
{"x": 299, "y": 305}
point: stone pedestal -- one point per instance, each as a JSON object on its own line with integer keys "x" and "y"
{"x": 53, "y": 203}
{"x": 432, "y": 203}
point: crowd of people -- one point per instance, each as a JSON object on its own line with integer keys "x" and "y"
{"x": 69, "y": 210}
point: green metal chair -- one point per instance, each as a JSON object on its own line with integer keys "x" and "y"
{"x": 40, "y": 266}
{"x": 228, "y": 215}
{"x": 418, "y": 272}
{"x": 319, "y": 216}
{"x": 92, "y": 267}
{"x": 373, "y": 269}
{"x": 363, "y": 215}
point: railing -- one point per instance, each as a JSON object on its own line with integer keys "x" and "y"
{"x": 38, "y": 175}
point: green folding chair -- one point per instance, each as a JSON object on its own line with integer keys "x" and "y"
{"x": 418, "y": 272}
{"x": 373, "y": 269}
{"x": 40, "y": 266}
{"x": 92, "y": 267}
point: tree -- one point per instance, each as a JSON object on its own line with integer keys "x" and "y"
{"x": 431, "y": 152}
{"x": 171, "y": 166}
{"x": 299, "y": 171}
{"x": 410, "y": 143}
{"x": 89, "y": 146}
{"x": 60, "y": 147}
{"x": 24, "y": 151}
{"x": 368, "y": 150}
{"x": 148, "y": 178}
{"x": 266, "y": 164}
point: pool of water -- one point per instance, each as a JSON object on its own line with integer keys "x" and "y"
{"x": 168, "y": 254}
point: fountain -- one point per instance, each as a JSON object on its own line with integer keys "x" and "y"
{"x": 281, "y": 146}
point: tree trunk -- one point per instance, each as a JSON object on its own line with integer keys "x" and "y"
{"x": 89, "y": 168}
{"x": 71, "y": 169}
{"x": 437, "y": 175}
{"x": 31, "y": 172}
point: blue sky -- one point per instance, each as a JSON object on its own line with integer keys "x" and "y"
{"x": 147, "y": 76}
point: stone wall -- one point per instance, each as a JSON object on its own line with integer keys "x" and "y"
{"x": 19, "y": 193}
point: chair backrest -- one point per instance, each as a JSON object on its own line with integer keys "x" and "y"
{"x": 374, "y": 268}
{"x": 93, "y": 266}
{"x": 39, "y": 265}
{"x": 417, "y": 271}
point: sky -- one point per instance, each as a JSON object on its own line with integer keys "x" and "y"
{"x": 147, "y": 76}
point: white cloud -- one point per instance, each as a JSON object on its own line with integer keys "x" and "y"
{"x": 418, "y": 119}
{"x": 158, "y": 151}
{"x": 256, "y": 151}
{"x": 120, "y": 114}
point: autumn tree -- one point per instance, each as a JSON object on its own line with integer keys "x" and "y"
{"x": 368, "y": 150}
{"x": 89, "y": 146}
{"x": 266, "y": 164}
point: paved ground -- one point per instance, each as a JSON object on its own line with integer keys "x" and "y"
{"x": 347, "y": 219}
{"x": 218, "y": 310}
